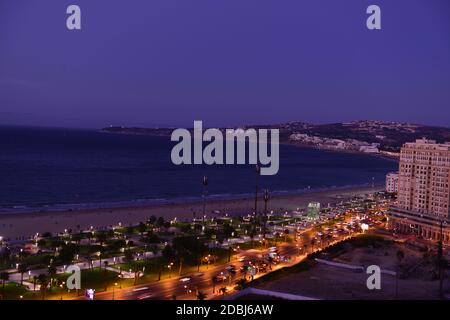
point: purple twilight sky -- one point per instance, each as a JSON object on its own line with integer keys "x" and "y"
{"x": 226, "y": 62}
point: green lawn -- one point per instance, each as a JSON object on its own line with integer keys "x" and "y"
{"x": 13, "y": 291}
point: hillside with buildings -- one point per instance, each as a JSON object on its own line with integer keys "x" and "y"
{"x": 356, "y": 136}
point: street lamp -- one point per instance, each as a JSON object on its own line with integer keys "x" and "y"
{"x": 170, "y": 268}
{"x": 115, "y": 285}
{"x": 266, "y": 198}
{"x": 258, "y": 170}
{"x": 205, "y": 190}
{"x": 62, "y": 288}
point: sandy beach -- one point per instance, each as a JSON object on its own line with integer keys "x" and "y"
{"x": 23, "y": 225}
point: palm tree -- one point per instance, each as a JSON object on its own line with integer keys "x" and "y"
{"x": 400, "y": 256}
{"x": 89, "y": 259}
{"x": 286, "y": 233}
{"x": 241, "y": 283}
{"x": 99, "y": 254}
{"x": 51, "y": 273}
{"x": 201, "y": 295}
{"x": 223, "y": 290}
{"x": 313, "y": 242}
{"x": 213, "y": 280}
{"x": 142, "y": 228}
{"x": 35, "y": 278}
{"x": 102, "y": 237}
{"x": 43, "y": 282}
{"x": 4, "y": 276}
{"x": 136, "y": 274}
{"x": 22, "y": 268}
{"x": 181, "y": 265}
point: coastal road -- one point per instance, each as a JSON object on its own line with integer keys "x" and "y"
{"x": 168, "y": 288}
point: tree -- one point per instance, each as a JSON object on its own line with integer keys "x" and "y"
{"x": 47, "y": 235}
{"x": 241, "y": 283}
{"x": 188, "y": 248}
{"x": 51, "y": 272}
{"x": 213, "y": 281}
{"x": 137, "y": 273}
{"x": 286, "y": 233}
{"x": 89, "y": 235}
{"x": 128, "y": 257}
{"x": 43, "y": 282}
{"x": 230, "y": 251}
{"x": 181, "y": 260}
{"x": 160, "y": 222}
{"x": 201, "y": 295}
{"x": 400, "y": 256}
{"x": 228, "y": 230}
{"x": 142, "y": 228}
{"x": 22, "y": 268}
{"x": 35, "y": 279}
{"x": 129, "y": 229}
{"x": 102, "y": 237}
{"x": 151, "y": 238}
{"x": 67, "y": 253}
{"x": 152, "y": 219}
{"x": 223, "y": 290}
{"x": 313, "y": 242}
{"x": 4, "y": 276}
{"x": 77, "y": 238}
{"x": 154, "y": 249}
{"x": 99, "y": 254}
{"x": 168, "y": 252}
{"x": 5, "y": 254}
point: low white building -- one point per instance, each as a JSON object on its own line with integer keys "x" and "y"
{"x": 369, "y": 149}
{"x": 392, "y": 182}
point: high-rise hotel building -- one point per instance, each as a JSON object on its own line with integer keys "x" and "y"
{"x": 423, "y": 200}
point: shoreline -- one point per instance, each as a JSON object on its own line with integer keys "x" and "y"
{"x": 287, "y": 142}
{"x": 21, "y": 226}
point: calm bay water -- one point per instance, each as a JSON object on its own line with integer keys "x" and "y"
{"x": 52, "y": 169}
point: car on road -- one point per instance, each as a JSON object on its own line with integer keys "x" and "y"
{"x": 230, "y": 268}
{"x": 145, "y": 296}
{"x": 221, "y": 277}
{"x": 137, "y": 293}
{"x": 186, "y": 279}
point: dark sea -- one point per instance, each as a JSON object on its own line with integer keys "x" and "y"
{"x": 57, "y": 169}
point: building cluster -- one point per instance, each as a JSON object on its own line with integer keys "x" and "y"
{"x": 335, "y": 144}
{"x": 377, "y": 126}
{"x": 423, "y": 199}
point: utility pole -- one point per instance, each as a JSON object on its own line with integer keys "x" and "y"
{"x": 205, "y": 184}
{"x": 258, "y": 170}
{"x": 440, "y": 261}
{"x": 256, "y": 189}
{"x": 266, "y": 198}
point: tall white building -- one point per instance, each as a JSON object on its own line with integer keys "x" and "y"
{"x": 423, "y": 200}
